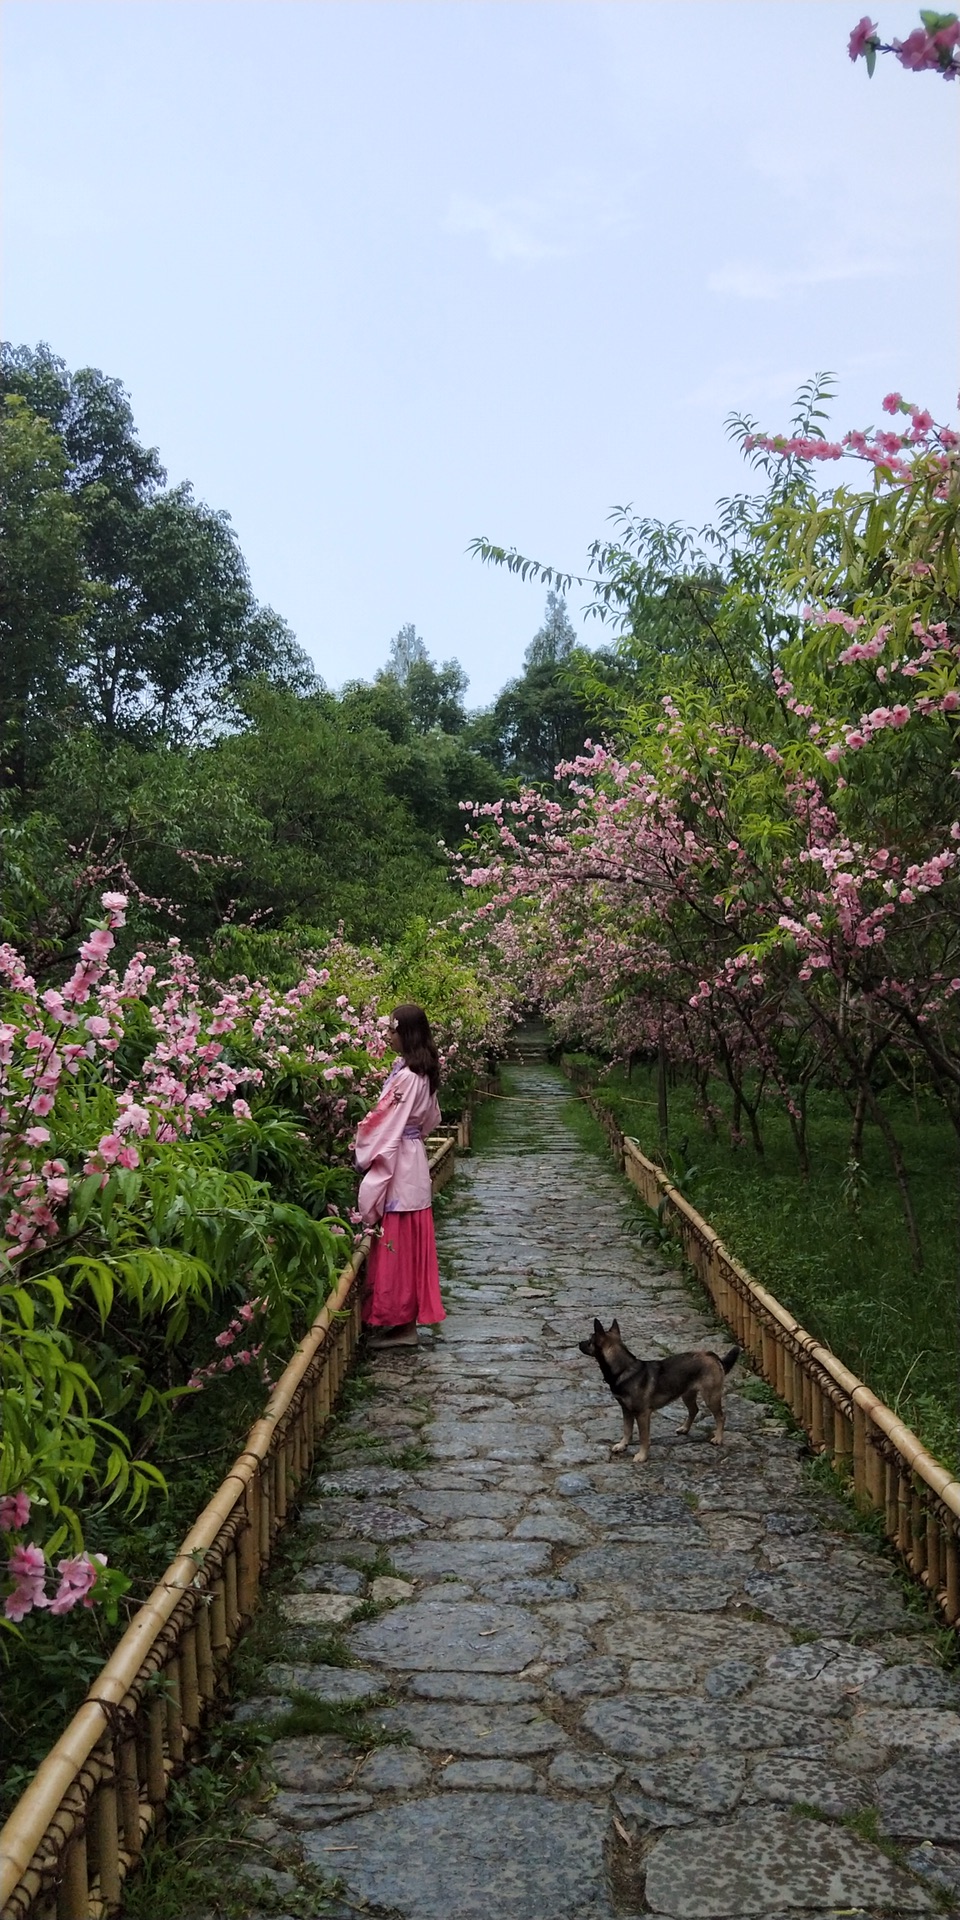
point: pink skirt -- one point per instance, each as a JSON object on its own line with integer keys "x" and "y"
{"x": 403, "y": 1281}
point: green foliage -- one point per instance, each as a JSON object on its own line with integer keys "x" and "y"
{"x": 168, "y": 624}
{"x": 41, "y": 592}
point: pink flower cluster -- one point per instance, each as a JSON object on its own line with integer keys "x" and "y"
{"x": 27, "y": 1570}
{"x": 230, "y": 1355}
{"x": 906, "y": 456}
{"x": 927, "y": 49}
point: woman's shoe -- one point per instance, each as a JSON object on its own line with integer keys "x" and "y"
{"x": 405, "y": 1336}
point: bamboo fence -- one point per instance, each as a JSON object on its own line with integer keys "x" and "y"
{"x": 82, "y": 1823}
{"x": 888, "y": 1468}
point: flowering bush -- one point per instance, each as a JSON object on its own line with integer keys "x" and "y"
{"x": 172, "y": 1152}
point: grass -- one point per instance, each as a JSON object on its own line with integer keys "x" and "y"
{"x": 833, "y": 1250}
{"x": 345, "y": 1719}
{"x": 209, "y": 1864}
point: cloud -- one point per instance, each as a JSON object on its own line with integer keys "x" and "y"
{"x": 509, "y": 228}
{"x": 740, "y": 383}
{"x": 768, "y": 283}
{"x": 572, "y": 212}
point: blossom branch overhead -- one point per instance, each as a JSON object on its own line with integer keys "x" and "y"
{"x": 933, "y": 47}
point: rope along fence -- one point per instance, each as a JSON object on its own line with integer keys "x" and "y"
{"x": 889, "y": 1469}
{"x": 81, "y": 1825}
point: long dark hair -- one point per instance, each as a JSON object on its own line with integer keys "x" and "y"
{"x": 416, "y": 1042}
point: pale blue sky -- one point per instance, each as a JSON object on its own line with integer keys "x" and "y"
{"x": 381, "y": 277}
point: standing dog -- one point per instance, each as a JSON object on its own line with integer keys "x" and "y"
{"x": 643, "y": 1385}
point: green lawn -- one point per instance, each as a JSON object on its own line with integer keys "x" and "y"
{"x": 840, "y": 1261}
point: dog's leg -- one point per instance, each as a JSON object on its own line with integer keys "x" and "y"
{"x": 643, "y": 1436}
{"x": 713, "y": 1395}
{"x": 622, "y": 1445}
{"x": 690, "y": 1402}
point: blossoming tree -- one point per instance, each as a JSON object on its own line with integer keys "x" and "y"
{"x": 761, "y": 879}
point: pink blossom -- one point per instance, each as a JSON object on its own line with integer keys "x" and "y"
{"x": 99, "y": 1027}
{"x": 109, "y": 1147}
{"x": 27, "y": 1569}
{"x": 78, "y": 1577}
{"x": 98, "y": 945}
{"x": 37, "y": 1136}
{"x": 114, "y": 902}
{"x": 864, "y": 31}
{"x": 14, "y": 1511}
{"x": 917, "y": 51}
{"x": 241, "y": 1110}
{"x": 892, "y": 403}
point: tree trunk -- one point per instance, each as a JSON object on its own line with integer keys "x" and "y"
{"x": 900, "y": 1175}
{"x": 663, "y": 1116}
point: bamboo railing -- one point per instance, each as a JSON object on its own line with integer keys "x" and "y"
{"x": 869, "y": 1447}
{"x": 81, "y": 1825}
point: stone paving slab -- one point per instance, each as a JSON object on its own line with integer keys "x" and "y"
{"x": 612, "y": 1691}
{"x": 472, "y": 1856}
{"x": 747, "y": 1867}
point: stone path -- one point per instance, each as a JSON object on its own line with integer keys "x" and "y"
{"x": 690, "y": 1689}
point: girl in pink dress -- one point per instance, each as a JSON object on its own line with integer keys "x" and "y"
{"x": 403, "y": 1283}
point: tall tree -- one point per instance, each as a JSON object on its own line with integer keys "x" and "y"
{"x": 555, "y": 640}
{"x": 407, "y": 649}
{"x": 170, "y": 624}
{"x": 40, "y": 590}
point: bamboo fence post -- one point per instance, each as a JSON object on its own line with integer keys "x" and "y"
{"x": 231, "y": 1601}
{"x": 189, "y": 1686}
{"x": 219, "y": 1641}
{"x": 952, "y": 1576}
{"x": 108, "y": 1843}
{"x": 156, "y": 1776}
{"x": 890, "y": 1505}
{"x": 130, "y": 1796}
{"x": 933, "y": 1552}
{"x": 859, "y": 1451}
{"x": 174, "y": 1713}
{"x": 918, "y": 1533}
{"x": 248, "y": 1554}
{"x": 903, "y": 1512}
{"x": 206, "y": 1677}
{"x": 816, "y": 1414}
{"x": 73, "y": 1896}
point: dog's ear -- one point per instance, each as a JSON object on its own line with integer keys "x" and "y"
{"x": 615, "y": 1327}
{"x": 598, "y": 1329}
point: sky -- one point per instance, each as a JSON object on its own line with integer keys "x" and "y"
{"x": 380, "y": 278}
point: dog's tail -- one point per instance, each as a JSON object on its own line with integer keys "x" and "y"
{"x": 730, "y": 1359}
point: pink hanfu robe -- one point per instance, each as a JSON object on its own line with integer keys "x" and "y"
{"x": 403, "y": 1282}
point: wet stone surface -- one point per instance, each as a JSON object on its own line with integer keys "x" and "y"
{"x": 474, "y": 1855}
{"x": 749, "y": 1867}
{"x": 601, "y": 1691}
